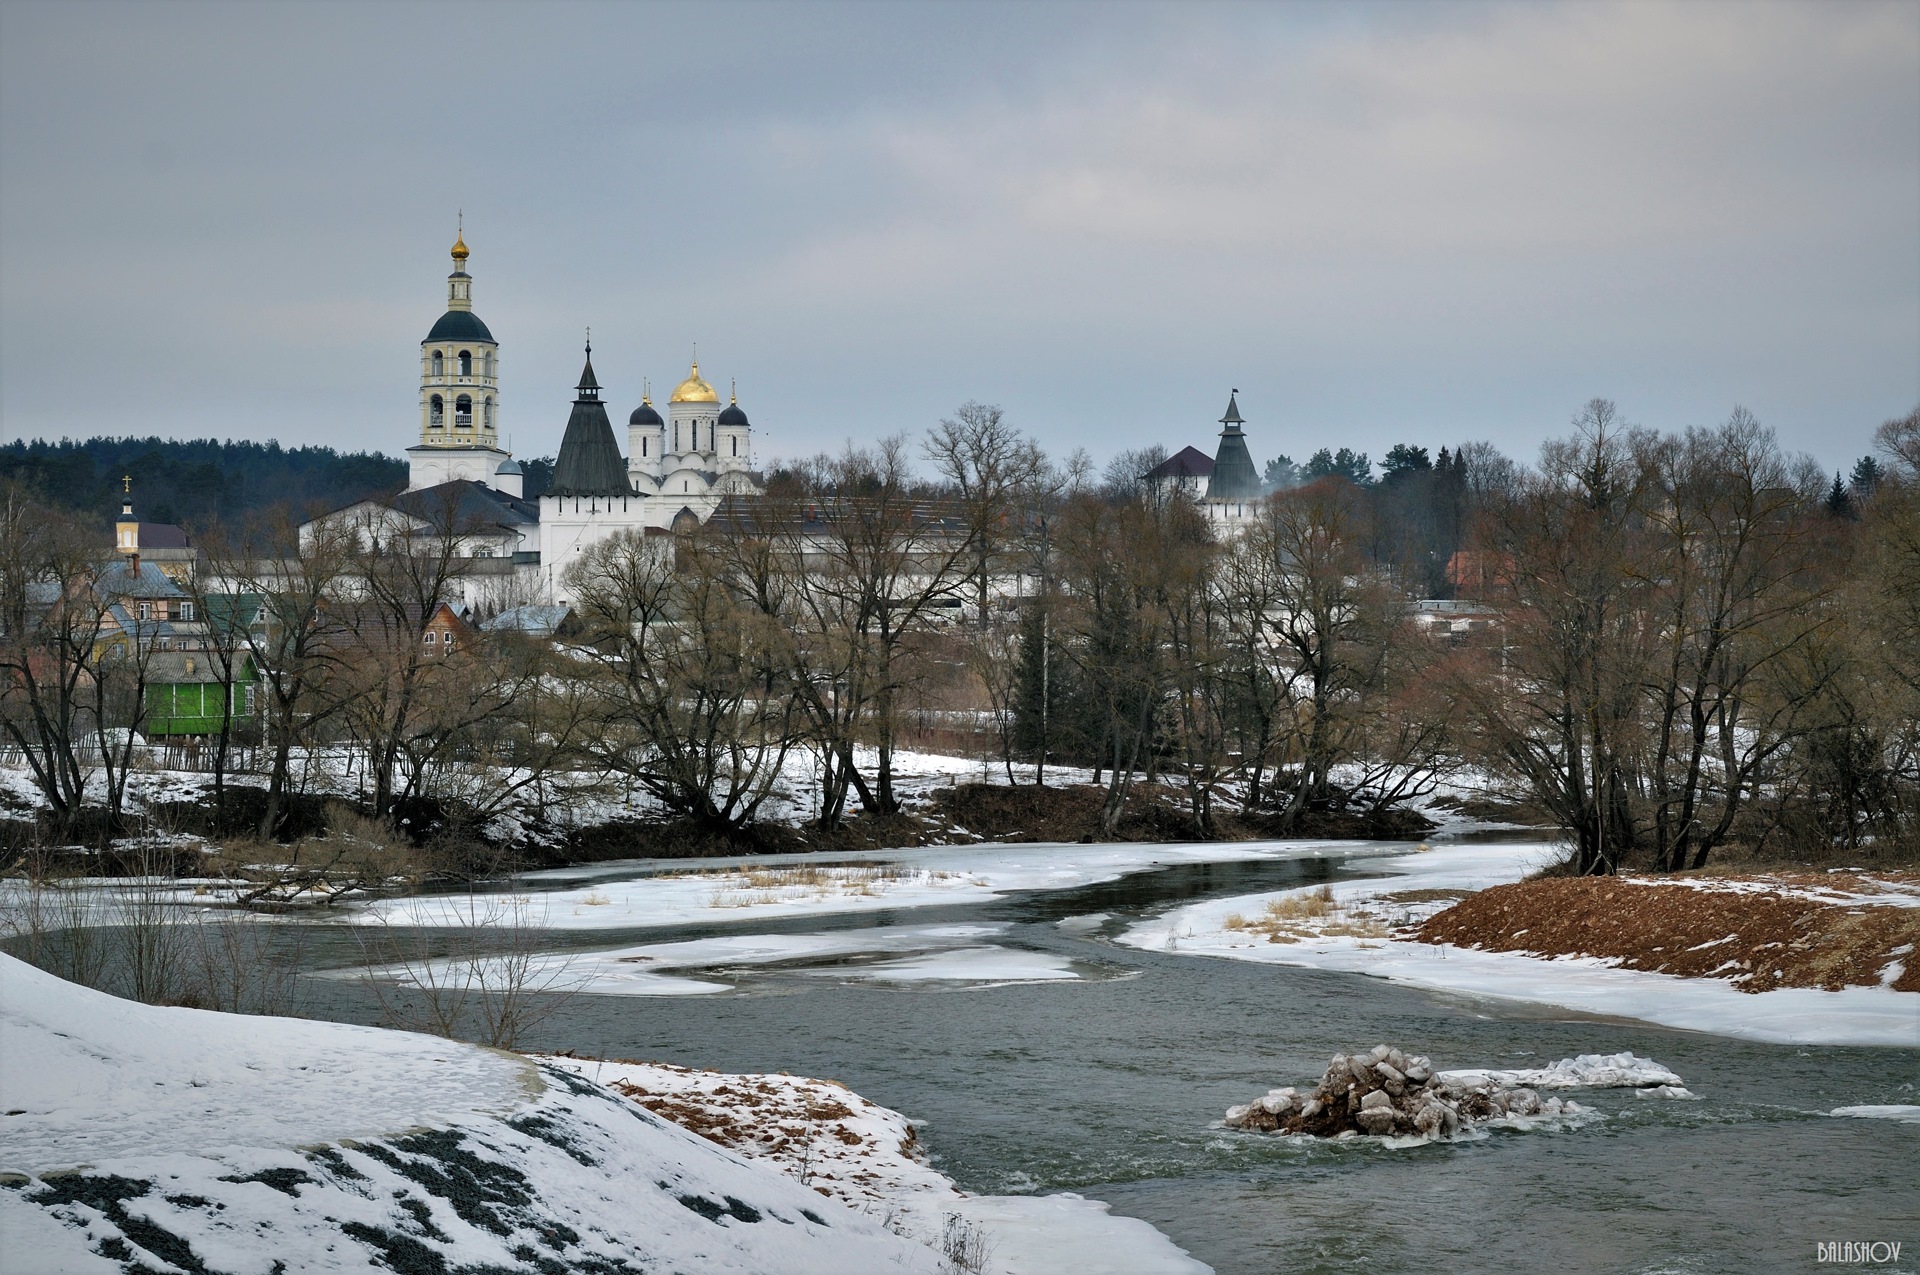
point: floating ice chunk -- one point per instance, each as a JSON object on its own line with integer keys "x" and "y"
{"x": 1587, "y": 1071}
{"x": 1891, "y": 1111}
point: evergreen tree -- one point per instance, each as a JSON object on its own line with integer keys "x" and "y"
{"x": 1404, "y": 460}
{"x": 1867, "y": 473}
{"x": 1282, "y": 473}
{"x": 1346, "y": 463}
{"x": 1839, "y": 501}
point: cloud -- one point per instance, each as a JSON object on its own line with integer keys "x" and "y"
{"x": 1389, "y": 222}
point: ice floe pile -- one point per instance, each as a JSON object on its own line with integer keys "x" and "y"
{"x": 1388, "y": 1093}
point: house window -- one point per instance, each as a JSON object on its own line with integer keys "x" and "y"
{"x": 186, "y": 610}
{"x": 146, "y": 610}
{"x": 436, "y": 409}
{"x": 447, "y": 640}
{"x": 427, "y": 638}
{"x": 463, "y": 412}
{"x": 439, "y": 364}
{"x": 466, "y": 362}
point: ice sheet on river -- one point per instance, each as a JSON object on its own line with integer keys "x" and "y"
{"x": 780, "y": 886}
{"x": 1422, "y": 883}
{"x": 1904, "y": 1113}
{"x": 964, "y": 954}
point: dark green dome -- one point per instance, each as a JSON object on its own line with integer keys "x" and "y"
{"x": 459, "y": 325}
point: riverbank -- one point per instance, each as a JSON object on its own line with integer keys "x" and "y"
{"x": 575, "y": 819}
{"x": 1380, "y": 928}
{"x": 869, "y": 1158}
{"x": 178, "y": 1139}
{"x": 165, "y": 1138}
{"x": 1757, "y": 931}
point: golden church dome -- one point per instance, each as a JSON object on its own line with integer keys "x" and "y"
{"x": 693, "y": 389}
{"x": 460, "y": 246}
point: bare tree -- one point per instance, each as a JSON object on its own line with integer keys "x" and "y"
{"x": 408, "y": 569}
{"x": 1338, "y": 620}
{"x": 996, "y": 475}
{"x": 51, "y": 615}
{"x": 692, "y": 696}
{"x": 1735, "y": 593}
{"x": 293, "y": 637}
{"x": 1557, "y": 707}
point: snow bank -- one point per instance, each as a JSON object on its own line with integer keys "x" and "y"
{"x": 95, "y": 1077}
{"x": 171, "y": 1137}
{"x": 1788, "y": 1015}
{"x": 867, "y": 1158}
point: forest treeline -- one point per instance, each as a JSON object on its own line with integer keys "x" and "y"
{"x": 199, "y": 482}
{"x": 1671, "y": 643}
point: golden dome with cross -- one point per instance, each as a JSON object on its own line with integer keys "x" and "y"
{"x": 693, "y": 389}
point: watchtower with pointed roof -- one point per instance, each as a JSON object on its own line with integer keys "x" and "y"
{"x": 1234, "y": 477}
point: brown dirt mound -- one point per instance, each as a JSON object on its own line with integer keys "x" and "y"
{"x": 1757, "y": 940}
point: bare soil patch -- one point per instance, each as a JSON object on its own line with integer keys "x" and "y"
{"x": 1755, "y": 931}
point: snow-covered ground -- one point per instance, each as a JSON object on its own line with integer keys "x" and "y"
{"x": 865, "y": 1156}
{"x": 174, "y": 1136}
{"x": 1231, "y": 928}
{"x": 529, "y": 813}
{"x": 184, "y": 1139}
{"x": 813, "y": 885}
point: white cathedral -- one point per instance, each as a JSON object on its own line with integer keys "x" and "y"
{"x": 677, "y": 468}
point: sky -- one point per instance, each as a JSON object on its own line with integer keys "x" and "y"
{"x": 1380, "y": 222}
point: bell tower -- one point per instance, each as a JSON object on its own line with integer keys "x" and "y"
{"x": 459, "y": 391}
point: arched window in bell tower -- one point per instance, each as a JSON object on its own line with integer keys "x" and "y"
{"x": 436, "y": 407}
{"x": 463, "y": 412}
{"x": 486, "y": 412}
{"x": 439, "y": 364}
{"x": 466, "y": 362}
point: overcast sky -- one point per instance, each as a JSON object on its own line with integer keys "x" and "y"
{"x": 1382, "y": 222}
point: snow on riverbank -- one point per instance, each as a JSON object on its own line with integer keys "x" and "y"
{"x": 867, "y": 1157}
{"x": 1282, "y": 931}
{"x": 184, "y": 1139}
{"x": 815, "y": 885}
{"x": 168, "y": 1139}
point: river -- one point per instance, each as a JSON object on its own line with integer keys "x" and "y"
{"x": 1112, "y": 1084}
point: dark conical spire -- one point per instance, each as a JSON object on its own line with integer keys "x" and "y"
{"x": 1234, "y": 477}
{"x": 589, "y": 387}
{"x": 589, "y": 463}
{"x": 1233, "y": 409}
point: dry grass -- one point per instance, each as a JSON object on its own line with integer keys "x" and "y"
{"x": 737, "y": 888}
{"x": 1310, "y": 915}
